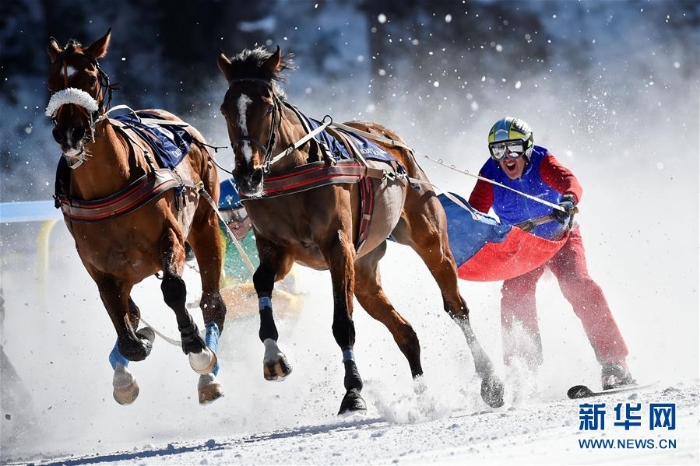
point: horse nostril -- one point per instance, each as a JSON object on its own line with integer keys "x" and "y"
{"x": 256, "y": 178}
{"x": 58, "y": 136}
{"x": 77, "y": 133}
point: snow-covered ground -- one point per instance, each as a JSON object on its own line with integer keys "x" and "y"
{"x": 59, "y": 344}
{"x": 542, "y": 433}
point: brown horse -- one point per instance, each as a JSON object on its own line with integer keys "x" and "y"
{"x": 130, "y": 217}
{"x": 298, "y": 215}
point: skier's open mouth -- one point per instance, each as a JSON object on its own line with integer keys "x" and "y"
{"x": 510, "y": 164}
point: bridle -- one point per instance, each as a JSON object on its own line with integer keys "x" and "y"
{"x": 104, "y": 97}
{"x": 274, "y": 124}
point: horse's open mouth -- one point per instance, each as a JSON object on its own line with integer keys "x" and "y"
{"x": 252, "y": 194}
{"x": 75, "y": 155}
{"x": 72, "y": 152}
{"x": 250, "y": 187}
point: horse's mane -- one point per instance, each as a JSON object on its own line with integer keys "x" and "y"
{"x": 249, "y": 64}
{"x": 72, "y": 46}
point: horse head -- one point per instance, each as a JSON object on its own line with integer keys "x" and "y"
{"x": 252, "y": 108}
{"x": 78, "y": 87}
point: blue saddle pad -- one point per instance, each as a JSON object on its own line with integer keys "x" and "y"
{"x": 169, "y": 143}
{"x": 338, "y": 151}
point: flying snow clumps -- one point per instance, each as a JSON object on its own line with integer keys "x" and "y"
{"x": 71, "y": 96}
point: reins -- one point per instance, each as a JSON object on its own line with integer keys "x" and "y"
{"x": 327, "y": 122}
{"x": 495, "y": 183}
{"x": 396, "y": 143}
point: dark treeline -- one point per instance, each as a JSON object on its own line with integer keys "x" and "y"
{"x": 164, "y": 52}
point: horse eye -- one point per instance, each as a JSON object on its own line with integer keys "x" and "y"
{"x": 93, "y": 81}
{"x": 269, "y": 110}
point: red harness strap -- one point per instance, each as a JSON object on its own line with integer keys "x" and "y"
{"x": 366, "y": 190}
{"x": 316, "y": 174}
{"x": 367, "y": 203}
{"x": 137, "y": 194}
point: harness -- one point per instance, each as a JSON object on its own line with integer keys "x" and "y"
{"x": 326, "y": 172}
{"x": 136, "y": 195}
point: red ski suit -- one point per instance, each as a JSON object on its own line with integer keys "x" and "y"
{"x": 568, "y": 265}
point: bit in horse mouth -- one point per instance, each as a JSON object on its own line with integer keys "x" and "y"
{"x": 257, "y": 194}
{"x": 72, "y": 152}
{"x": 248, "y": 191}
{"x": 73, "y": 155}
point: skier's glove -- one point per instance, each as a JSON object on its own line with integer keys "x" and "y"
{"x": 565, "y": 216}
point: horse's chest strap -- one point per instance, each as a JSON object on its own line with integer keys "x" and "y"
{"x": 317, "y": 174}
{"x": 129, "y": 199}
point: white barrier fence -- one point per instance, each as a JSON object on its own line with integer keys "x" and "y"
{"x": 34, "y": 211}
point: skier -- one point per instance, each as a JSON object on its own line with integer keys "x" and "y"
{"x": 237, "y": 277}
{"x": 237, "y": 220}
{"x": 517, "y": 163}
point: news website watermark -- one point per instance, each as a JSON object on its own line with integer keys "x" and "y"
{"x": 651, "y": 425}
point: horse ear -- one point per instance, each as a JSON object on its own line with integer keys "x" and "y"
{"x": 273, "y": 63}
{"x": 54, "y": 49}
{"x": 224, "y": 65}
{"x": 98, "y": 49}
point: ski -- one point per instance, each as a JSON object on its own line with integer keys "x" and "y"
{"x": 581, "y": 391}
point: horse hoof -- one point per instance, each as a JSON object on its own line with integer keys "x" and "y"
{"x": 139, "y": 349}
{"x": 126, "y": 395}
{"x": 126, "y": 390}
{"x": 203, "y": 362}
{"x": 209, "y": 389}
{"x": 146, "y": 333}
{"x": 275, "y": 364}
{"x": 277, "y": 370}
{"x": 492, "y": 391}
{"x": 352, "y": 402}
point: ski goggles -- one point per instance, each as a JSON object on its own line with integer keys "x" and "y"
{"x": 234, "y": 215}
{"x": 512, "y": 149}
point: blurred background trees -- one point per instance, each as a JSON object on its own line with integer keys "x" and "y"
{"x": 388, "y": 58}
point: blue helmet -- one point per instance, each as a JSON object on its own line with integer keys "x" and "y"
{"x": 229, "y": 198}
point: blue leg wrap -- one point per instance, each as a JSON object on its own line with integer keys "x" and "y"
{"x": 263, "y": 302}
{"x": 116, "y": 357}
{"x": 212, "y": 341}
{"x": 348, "y": 355}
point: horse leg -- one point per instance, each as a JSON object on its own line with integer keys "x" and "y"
{"x": 133, "y": 345}
{"x": 339, "y": 255}
{"x": 442, "y": 266}
{"x": 275, "y": 364}
{"x": 209, "y": 252}
{"x": 371, "y": 296}
{"x": 428, "y": 238}
{"x": 125, "y": 388}
{"x": 202, "y": 359}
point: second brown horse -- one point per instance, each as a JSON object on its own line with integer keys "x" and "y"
{"x": 323, "y": 224}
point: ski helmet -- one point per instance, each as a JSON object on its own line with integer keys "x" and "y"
{"x": 514, "y": 133}
{"x": 228, "y": 197}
